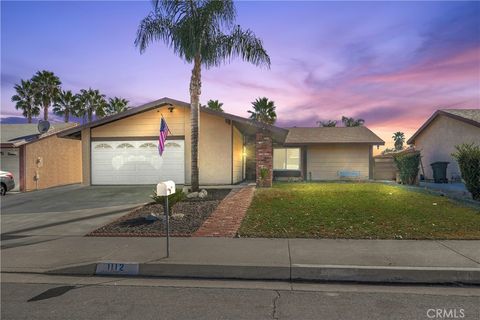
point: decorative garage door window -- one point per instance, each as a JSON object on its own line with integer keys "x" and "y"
{"x": 103, "y": 146}
{"x": 125, "y": 146}
{"x": 148, "y": 145}
{"x": 172, "y": 145}
{"x": 137, "y": 162}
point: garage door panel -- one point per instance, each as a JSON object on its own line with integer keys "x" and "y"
{"x": 137, "y": 162}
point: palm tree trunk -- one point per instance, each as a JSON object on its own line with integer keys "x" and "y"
{"x": 90, "y": 115}
{"x": 195, "y": 91}
{"x": 67, "y": 114}
{"x": 29, "y": 118}
{"x": 45, "y": 112}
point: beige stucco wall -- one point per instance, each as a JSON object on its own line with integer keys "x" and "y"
{"x": 215, "y": 150}
{"x": 324, "y": 161}
{"x": 437, "y": 142}
{"x": 61, "y": 162}
{"x": 86, "y": 156}
{"x": 237, "y": 155}
{"x": 215, "y": 145}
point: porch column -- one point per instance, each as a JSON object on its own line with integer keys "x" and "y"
{"x": 264, "y": 159}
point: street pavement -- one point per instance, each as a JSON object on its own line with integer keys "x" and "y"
{"x": 58, "y": 297}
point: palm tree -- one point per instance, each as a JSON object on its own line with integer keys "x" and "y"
{"x": 327, "y": 123}
{"x": 66, "y": 105}
{"x": 202, "y": 33}
{"x": 25, "y": 100}
{"x": 263, "y": 111}
{"x": 116, "y": 105}
{"x": 215, "y": 105}
{"x": 91, "y": 102}
{"x": 351, "y": 122}
{"x": 399, "y": 139}
{"x": 47, "y": 88}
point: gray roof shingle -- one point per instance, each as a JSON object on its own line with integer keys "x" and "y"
{"x": 11, "y": 133}
{"x": 332, "y": 135}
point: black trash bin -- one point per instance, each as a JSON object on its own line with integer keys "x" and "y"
{"x": 440, "y": 171}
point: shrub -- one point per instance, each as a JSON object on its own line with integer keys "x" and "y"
{"x": 172, "y": 199}
{"x": 468, "y": 158}
{"x": 408, "y": 164}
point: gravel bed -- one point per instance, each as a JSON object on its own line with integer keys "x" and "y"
{"x": 194, "y": 211}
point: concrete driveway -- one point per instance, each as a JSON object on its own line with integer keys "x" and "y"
{"x": 74, "y": 210}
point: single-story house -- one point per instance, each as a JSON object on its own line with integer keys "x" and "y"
{"x": 122, "y": 148}
{"x": 40, "y": 160}
{"x": 437, "y": 137}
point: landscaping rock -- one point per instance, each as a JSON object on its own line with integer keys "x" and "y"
{"x": 192, "y": 195}
{"x": 152, "y": 217}
{"x": 186, "y": 190}
{"x": 203, "y": 194}
{"x": 178, "y": 215}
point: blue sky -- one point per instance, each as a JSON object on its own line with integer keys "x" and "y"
{"x": 392, "y": 63}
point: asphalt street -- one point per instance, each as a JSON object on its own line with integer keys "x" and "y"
{"x": 48, "y": 297}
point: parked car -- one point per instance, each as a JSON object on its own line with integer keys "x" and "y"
{"x": 7, "y": 182}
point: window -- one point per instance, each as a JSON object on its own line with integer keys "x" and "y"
{"x": 125, "y": 146}
{"x": 103, "y": 146}
{"x": 286, "y": 159}
{"x": 148, "y": 145}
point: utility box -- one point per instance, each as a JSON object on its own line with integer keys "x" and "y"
{"x": 166, "y": 188}
{"x": 439, "y": 169}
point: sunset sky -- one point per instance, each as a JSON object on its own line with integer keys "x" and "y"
{"x": 389, "y": 63}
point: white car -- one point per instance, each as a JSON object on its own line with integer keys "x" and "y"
{"x": 7, "y": 182}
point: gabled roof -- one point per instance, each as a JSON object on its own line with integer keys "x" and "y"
{"x": 298, "y": 136}
{"x": 244, "y": 123}
{"x": 470, "y": 116}
{"x": 15, "y": 134}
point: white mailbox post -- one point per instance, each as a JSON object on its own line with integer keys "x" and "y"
{"x": 165, "y": 189}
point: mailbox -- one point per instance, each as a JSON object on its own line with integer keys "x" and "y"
{"x": 166, "y": 188}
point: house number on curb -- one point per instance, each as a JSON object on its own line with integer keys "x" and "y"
{"x": 113, "y": 268}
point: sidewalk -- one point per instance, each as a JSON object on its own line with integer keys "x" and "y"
{"x": 404, "y": 261}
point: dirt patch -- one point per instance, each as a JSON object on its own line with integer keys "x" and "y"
{"x": 185, "y": 218}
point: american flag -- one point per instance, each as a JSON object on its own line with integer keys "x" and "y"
{"x": 163, "y": 136}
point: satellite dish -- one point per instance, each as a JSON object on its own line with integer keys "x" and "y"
{"x": 43, "y": 126}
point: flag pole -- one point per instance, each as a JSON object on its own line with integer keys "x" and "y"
{"x": 165, "y": 122}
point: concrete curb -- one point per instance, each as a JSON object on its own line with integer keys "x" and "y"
{"x": 297, "y": 272}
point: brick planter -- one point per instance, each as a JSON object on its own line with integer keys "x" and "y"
{"x": 264, "y": 158}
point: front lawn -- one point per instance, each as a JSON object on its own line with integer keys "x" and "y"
{"x": 357, "y": 211}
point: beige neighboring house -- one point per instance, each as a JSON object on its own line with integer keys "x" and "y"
{"x": 39, "y": 161}
{"x": 123, "y": 149}
{"x": 437, "y": 137}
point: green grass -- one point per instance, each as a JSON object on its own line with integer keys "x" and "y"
{"x": 356, "y": 211}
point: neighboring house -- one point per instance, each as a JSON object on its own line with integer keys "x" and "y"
{"x": 39, "y": 161}
{"x": 122, "y": 149}
{"x": 437, "y": 137}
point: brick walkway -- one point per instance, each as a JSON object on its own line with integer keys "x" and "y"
{"x": 228, "y": 216}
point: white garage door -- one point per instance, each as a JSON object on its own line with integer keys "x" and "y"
{"x": 137, "y": 162}
{"x": 10, "y": 162}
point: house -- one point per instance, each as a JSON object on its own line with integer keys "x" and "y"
{"x": 122, "y": 149}
{"x": 437, "y": 137}
{"x": 39, "y": 161}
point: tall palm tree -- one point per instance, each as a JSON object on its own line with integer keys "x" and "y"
{"x": 263, "y": 111}
{"x": 203, "y": 33}
{"x": 327, "y": 123}
{"x": 215, "y": 105}
{"x": 25, "y": 100}
{"x": 116, "y": 105}
{"x": 47, "y": 88}
{"x": 351, "y": 122}
{"x": 399, "y": 139}
{"x": 91, "y": 102}
{"x": 66, "y": 105}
